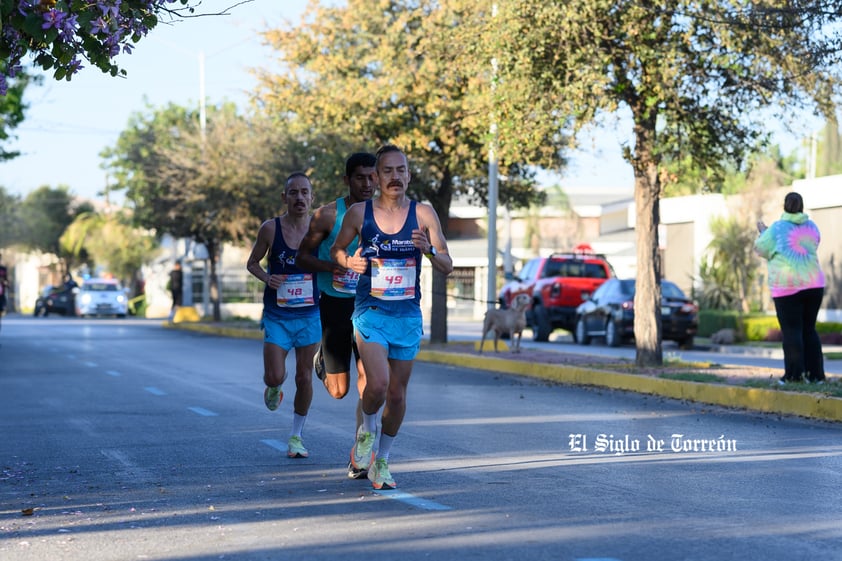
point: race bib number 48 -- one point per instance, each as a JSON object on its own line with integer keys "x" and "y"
{"x": 393, "y": 279}
{"x": 296, "y": 291}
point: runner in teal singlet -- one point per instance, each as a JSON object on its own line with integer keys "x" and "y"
{"x": 338, "y": 286}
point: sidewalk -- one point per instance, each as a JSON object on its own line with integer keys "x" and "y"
{"x": 749, "y": 388}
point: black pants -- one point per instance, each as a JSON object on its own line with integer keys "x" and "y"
{"x": 802, "y": 347}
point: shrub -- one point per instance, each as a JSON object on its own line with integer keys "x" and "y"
{"x": 711, "y": 321}
{"x": 774, "y": 335}
{"x": 827, "y": 336}
{"x": 828, "y": 327}
{"x": 757, "y": 328}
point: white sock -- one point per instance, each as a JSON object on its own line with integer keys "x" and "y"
{"x": 297, "y": 424}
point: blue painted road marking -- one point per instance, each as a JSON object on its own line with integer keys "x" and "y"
{"x": 412, "y": 500}
{"x": 276, "y": 444}
{"x": 154, "y": 391}
{"x": 406, "y": 498}
{"x": 203, "y": 412}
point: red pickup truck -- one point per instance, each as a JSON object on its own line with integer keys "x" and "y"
{"x": 557, "y": 284}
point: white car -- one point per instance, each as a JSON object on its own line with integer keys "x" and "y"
{"x": 102, "y": 297}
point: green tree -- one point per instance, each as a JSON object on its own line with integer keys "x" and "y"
{"x": 829, "y": 150}
{"x": 212, "y": 184}
{"x": 732, "y": 256}
{"x": 9, "y": 218}
{"x": 693, "y": 76}
{"x": 12, "y": 109}
{"x": 384, "y": 71}
{"x": 109, "y": 240}
{"x": 716, "y": 288}
{"x": 45, "y": 213}
{"x": 766, "y": 163}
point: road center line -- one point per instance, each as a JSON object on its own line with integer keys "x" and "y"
{"x": 154, "y": 391}
{"x": 112, "y": 373}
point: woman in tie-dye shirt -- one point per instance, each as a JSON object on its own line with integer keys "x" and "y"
{"x": 796, "y": 282}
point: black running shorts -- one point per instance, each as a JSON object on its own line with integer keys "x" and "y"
{"x": 337, "y": 333}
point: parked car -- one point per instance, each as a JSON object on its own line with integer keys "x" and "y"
{"x": 55, "y": 300}
{"x": 609, "y": 313}
{"x": 102, "y": 297}
{"x": 556, "y": 285}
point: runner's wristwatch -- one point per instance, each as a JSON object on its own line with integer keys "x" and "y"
{"x": 432, "y": 253}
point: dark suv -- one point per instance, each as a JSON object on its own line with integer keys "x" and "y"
{"x": 557, "y": 285}
{"x": 55, "y": 300}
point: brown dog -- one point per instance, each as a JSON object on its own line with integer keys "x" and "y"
{"x": 511, "y": 321}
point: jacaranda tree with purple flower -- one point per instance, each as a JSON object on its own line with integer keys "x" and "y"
{"x": 64, "y": 36}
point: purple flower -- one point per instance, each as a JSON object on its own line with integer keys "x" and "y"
{"x": 53, "y": 18}
{"x": 26, "y": 6}
{"x": 70, "y": 24}
{"x": 74, "y": 66}
{"x": 109, "y": 10}
{"x": 99, "y": 25}
{"x": 113, "y": 27}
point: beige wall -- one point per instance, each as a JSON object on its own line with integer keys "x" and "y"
{"x": 829, "y": 221}
{"x": 678, "y": 259}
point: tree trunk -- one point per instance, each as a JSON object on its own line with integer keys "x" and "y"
{"x": 438, "y": 311}
{"x": 214, "y": 280}
{"x": 647, "y": 297}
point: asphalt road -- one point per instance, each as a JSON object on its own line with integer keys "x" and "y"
{"x": 123, "y": 440}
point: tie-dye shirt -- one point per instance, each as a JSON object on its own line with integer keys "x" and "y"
{"x": 790, "y": 245}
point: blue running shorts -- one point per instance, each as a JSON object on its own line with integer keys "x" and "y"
{"x": 400, "y": 335}
{"x": 291, "y": 333}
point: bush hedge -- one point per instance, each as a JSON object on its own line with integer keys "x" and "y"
{"x": 711, "y": 321}
{"x": 757, "y": 327}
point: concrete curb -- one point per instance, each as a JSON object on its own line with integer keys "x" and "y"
{"x": 215, "y": 330}
{"x": 810, "y": 405}
{"x": 756, "y": 399}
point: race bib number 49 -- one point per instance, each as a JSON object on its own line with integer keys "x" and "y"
{"x": 296, "y": 291}
{"x": 393, "y": 279}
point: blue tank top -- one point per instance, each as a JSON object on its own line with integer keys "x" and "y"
{"x": 341, "y": 286}
{"x": 392, "y": 280}
{"x": 298, "y": 295}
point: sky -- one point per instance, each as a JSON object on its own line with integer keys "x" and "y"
{"x": 69, "y": 123}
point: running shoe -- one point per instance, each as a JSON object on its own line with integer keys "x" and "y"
{"x": 362, "y": 454}
{"x": 272, "y": 397}
{"x": 319, "y": 365}
{"x": 354, "y": 473}
{"x": 379, "y": 475}
{"x": 295, "y": 448}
